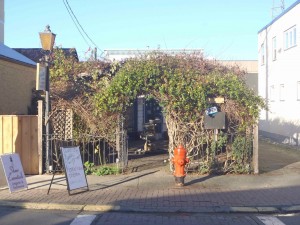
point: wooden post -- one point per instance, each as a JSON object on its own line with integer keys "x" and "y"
{"x": 40, "y": 135}
{"x": 255, "y": 149}
{"x": 216, "y": 132}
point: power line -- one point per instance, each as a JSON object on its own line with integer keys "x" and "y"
{"x": 71, "y": 13}
{"x": 76, "y": 24}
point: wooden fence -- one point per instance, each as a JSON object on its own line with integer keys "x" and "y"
{"x": 19, "y": 134}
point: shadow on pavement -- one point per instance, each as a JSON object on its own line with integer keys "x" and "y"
{"x": 265, "y": 200}
{"x": 44, "y": 183}
{"x": 112, "y": 183}
{"x": 199, "y": 180}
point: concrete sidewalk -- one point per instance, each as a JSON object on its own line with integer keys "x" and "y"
{"x": 154, "y": 190}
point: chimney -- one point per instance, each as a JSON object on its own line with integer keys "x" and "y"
{"x": 2, "y": 21}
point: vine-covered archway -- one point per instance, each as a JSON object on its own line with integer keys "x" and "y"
{"x": 182, "y": 84}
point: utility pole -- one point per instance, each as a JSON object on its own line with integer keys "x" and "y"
{"x": 95, "y": 54}
{"x": 2, "y": 21}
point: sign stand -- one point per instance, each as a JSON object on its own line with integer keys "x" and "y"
{"x": 73, "y": 167}
{"x": 57, "y": 168}
{"x": 14, "y": 172}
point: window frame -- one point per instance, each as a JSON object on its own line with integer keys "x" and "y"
{"x": 298, "y": 90}
{"x": 282, "y": 94}
{"x": 274, "y": 48}
{"x": 272, "y": 93}
{"x": 290, "y": 37}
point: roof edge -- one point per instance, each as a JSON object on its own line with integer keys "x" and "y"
{"x": 14, "y": 56}
{"x": 8, "y": 59}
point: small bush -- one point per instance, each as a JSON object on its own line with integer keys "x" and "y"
{"x": 100, "y": 171}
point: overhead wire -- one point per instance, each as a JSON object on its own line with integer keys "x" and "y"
{"x": 73, "y": 16}
{"x": 76, "y": 24}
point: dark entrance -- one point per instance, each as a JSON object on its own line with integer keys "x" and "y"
{"x": 147, "y": 150}
{"x": 153, "y": 113}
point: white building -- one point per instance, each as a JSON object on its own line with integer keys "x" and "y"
{"x": 279, "y": 76}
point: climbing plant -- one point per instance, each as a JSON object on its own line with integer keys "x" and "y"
{"x": 98, "y": 92}
{"x": 182, "y": 85}
{"x": 73, "y": 85}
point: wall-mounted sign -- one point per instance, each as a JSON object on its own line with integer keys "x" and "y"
{"x": 14, "y": 172}
{"x": 217, "y": 100}
{"x": 217, "y": 121}
{"x": 41, "y": 72}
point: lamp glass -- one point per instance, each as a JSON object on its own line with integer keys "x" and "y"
{"x": 47, "y": 40}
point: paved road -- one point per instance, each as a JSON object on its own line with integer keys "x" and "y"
{"x": 14, "y": 216}
{"x": 195, "y": 219}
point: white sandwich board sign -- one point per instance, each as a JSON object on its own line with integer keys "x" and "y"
{"x": 14, "y": 172}
{"x": 73, "y": 168}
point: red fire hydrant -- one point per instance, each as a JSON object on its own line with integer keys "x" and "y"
{"x": 179, "y": 161}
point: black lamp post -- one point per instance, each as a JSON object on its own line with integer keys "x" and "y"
{"x": 47, "y": 40}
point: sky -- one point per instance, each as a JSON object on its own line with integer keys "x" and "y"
{"x": 224, "y": 29}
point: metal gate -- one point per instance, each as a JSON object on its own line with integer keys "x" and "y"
{"x": 94, "y": 149}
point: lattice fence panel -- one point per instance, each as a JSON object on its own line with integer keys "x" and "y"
{"x": 62, "y": 123}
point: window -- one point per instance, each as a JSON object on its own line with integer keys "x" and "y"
{"x": 262, "y": 53}
{"x": 286, "y": 40}
{"x": 281, "y": 92}
{"x": 272, "y": 93}
{"x": 290, "y": 37}
{"x": 274, "y": 49}
{"x": 295, "y": 36}
{"x": 298, "y": 90}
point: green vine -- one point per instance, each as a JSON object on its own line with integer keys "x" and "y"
{"x": 182, "y": 86}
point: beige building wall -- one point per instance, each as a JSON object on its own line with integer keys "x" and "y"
{"x": 16, "y": 84}
{"x": 251, "y": 69}
{"x": 2, "y": 21}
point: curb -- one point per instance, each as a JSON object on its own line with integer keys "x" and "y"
{"x": 41, "y": 206}
{"x": 118, "y": 208}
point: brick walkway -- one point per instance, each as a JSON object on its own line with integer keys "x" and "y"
{"x": 148, "y": 193}
{"x": 152, "y": 189}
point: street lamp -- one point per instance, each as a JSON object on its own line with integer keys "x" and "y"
{"x": 47, "y": 40}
